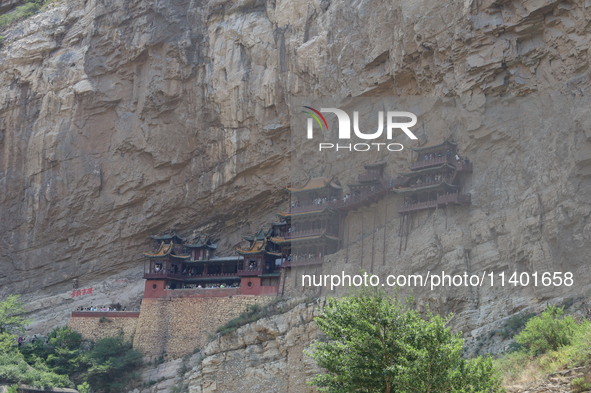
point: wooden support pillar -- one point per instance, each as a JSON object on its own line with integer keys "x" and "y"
{"x": 362, "y": 233}
{"x": 408, "y": 221}
{"x": 373, "y": 238}
{"x": 401, "y": 232}
{"x": 385, "y": 230}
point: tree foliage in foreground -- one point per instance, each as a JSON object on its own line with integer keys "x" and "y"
{"x": 13, "y": 367}
{"x": 376, "y": 345}
{"x": 108, "y": 365}
{"x": 64, "y": 358}
{"x": 64, "y": 352}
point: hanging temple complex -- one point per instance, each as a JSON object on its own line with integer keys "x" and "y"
{"x": 184, "y": 276}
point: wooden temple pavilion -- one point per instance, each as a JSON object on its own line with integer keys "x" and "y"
{"x": 435, "y": 181}
{"x": 309, "y": 229}
{"x": 371, "y": 186}
{"x": 259, "y": 270}
{"x": 179, "y": 263}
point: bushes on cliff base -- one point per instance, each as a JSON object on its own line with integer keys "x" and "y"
{"x": 549, "y": 342}
{"x": 549, "y": 331}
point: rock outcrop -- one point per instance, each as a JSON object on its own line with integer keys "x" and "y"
{"x": 265, "y": 355}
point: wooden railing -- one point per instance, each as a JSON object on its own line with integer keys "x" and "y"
{"x": 108, "y": 314}
{"x": 442, "y": 200}
{"x": 425, "y": 183}
{"x": 342, "y": 203}
{"x": 163, "y": 275}
{"x": 309, "y": 232}
{"x": 310, "y": 207}
{"x": 418, "y": 206}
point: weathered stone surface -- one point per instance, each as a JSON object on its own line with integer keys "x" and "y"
{"x": 172, "y": 328}
{"x": 94, "y": 328}
{"x": 259, "y": 356}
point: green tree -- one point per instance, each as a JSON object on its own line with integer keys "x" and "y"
{"x": 13, "y": 367}
{"x": 114, "y": 365}
{"x": 376, "y": 345}
{"x": 64, "y": 353}
{"x": 11, "y": 315}
{"x": 548, "y": 332}
{"x": 67, "y": 356}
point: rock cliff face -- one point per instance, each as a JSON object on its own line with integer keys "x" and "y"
{"x": 119, "y": 119}
{"x": 267, "y": 355}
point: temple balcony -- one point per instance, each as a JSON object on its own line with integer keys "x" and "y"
{"x": 351, "y": 202}
{"x": 432, "y": 162}
{"x": 310, "y": 207}
{"x": 162, "y": 275}
{"x": 179, "y": 276}
{"x": 442, "y": 200}
{"x": 308, "y": 233}
{"x": 412, "y": 207}
{"x": 429, "y": 183}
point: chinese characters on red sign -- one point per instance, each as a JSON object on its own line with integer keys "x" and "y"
{"x": 80, "y": 292}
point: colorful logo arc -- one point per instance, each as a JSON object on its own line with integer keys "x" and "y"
{"x": 317, "y": 116}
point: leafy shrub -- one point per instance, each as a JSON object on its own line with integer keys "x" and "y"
{"x": 376, "y": 345}
{"x": 105, "y": 367}
{"x": 578, "y": 353}
{"x": 83, "y": 388}
{"x": 547, "y": 332}
{"x": 550, "y": 342}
